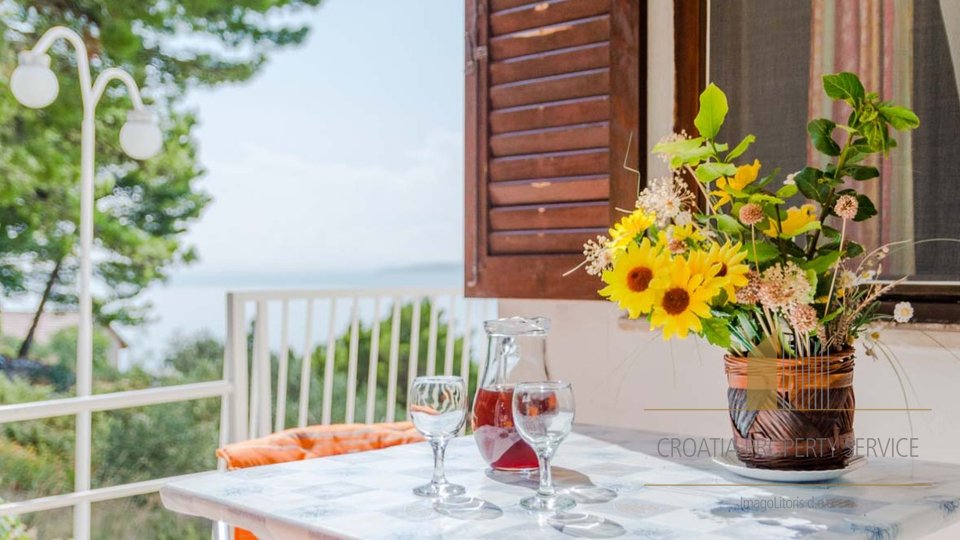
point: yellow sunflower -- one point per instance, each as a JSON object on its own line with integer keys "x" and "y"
{"x": 682, "y": 301}
{"x": 730, "y": 258}
{"x": 629, "y": 283}
{"x": 626, "y": 230}
{"x": 701, "y": 263}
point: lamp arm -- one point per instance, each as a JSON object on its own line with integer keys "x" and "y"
{"x": 80, "y": 48}
{"x": 116, "y": 74}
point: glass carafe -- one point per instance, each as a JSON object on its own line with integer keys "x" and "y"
{"x": 516, "y": 353}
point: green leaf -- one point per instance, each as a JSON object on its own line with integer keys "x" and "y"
{"x": 809, "y": 183}
{"x": 901, "y": 118}
{"x": 708, "y": 172}
{"x": 677, "y": 147}
{"x": 694, "y": 156}
{"x": 865, "y": 208}
{"x": 717, "y": 331}
{"x": 861, "y": 172}
{"x": 713, "y": 109}
{"x": 822, "y": 263}
{"x": 764, "y": 252}
{"x": 726, "y": 223}
{"x": 764, "y": 198}
{"x": 820, "y": 131}
{"x": 740, "y": 148}
{"x": 831, "y": 316}
{"x": 852, "y": 249}
{"x": 813, "y": 225}
{"x": 830, "y": 232}
{"x": 845, "y": 86}
{"x": 787, "y": 191}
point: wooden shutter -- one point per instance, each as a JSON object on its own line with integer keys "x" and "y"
{"x": 553, "y": 92}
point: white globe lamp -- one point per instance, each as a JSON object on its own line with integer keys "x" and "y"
{"x": 33, "y": 83}
{"x": 140, "y": 136}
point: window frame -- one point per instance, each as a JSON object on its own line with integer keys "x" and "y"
{"x": 933, "y": 302}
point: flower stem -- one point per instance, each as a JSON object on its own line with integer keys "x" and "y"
{"x": 825, "y": 206}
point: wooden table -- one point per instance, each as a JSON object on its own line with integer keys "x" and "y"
{"x": 368, "y": 495}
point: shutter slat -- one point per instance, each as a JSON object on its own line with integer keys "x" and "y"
{"x": 558, "y": 36}
{"x": 551, "y": 139}
{"x": 550, "y": 241}
{"x": 554, "y": 88}
{"x": 498, "y": 5}
{"x": 574, "y": 111}
{"x": 569, "y": 189}
{"x": 550, "y": 216}
{"x": 578, "y": 162}
{"x": 545, "y": 13}
{"x": 548, "y": 63}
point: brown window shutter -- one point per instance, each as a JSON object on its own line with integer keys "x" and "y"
{"x": 553, "y": 92}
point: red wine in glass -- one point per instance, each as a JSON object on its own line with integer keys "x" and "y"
{"x": 500, "y": 444}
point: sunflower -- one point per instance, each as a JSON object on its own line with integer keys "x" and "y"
{"x": 630, "y": 282}
{"x": 730, "y": 258}
{"x": 701, "y": 263}
{"x": 627, "y": 229}
{"x": 682, "y": 301}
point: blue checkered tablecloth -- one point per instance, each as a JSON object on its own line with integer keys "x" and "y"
{"x": 368, "y": 495}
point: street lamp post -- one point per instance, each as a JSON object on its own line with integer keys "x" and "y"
{"x": 34, "y": 85}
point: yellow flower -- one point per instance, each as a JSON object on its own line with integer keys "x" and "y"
{"x": 630, "y": 282}
{"x": 730, "y": 259}
{"x": 683, "y": 232}
{"x": 702, "y": 264}
{"x": 722, "y": 196}
{"x": 682, "y": 301}
{"x": 623, "y": 233}
{"x": 745, "y": 175}
{"x": 798, "y": 221}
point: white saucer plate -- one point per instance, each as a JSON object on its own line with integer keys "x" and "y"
{"x": 734, "y": 465}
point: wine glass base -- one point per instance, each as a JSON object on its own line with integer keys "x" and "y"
{"x": 556, "y": 503}
{"x": 439, "y": 490}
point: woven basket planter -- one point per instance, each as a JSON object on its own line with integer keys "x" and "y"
{"x": 792, "y": 414}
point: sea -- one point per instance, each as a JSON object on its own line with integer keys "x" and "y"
{"x": 194, "y": 303}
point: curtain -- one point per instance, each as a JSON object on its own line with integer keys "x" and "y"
{"x": 874, "y": 39}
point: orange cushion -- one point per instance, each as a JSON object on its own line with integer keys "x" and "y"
{"x": 316, "y": 441}
{"x": 312, "y": 442}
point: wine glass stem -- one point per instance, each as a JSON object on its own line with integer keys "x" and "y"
{"x": 546, "y": 480}
{"x": 439, "y": 449}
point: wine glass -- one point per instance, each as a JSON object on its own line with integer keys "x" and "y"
{"x": 438, "y": 409}
{"x": 543, "y": 414}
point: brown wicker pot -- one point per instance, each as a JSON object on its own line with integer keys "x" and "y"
{"x": 789, "y": 413}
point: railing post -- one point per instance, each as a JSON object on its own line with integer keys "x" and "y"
{"x": 235, "y": 369}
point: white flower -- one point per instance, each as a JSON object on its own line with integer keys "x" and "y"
{"x": 866, "y": 276}
{"x": 683, "y": 218}
{"x": 598, "y": 255}
{"x": 666, "y": 198}
{"x": 902, "y": 312}
{"x": 789, "y": 181}
{"x": 847, "y": 280}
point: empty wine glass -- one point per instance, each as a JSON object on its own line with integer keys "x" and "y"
{"x": 438, "y": 409}
{"x": 543, "y": 414}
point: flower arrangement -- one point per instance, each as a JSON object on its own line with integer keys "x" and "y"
{"x": 754, "y": 272}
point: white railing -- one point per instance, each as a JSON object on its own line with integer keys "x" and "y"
{"x": 264, "y": 410}
{"x": 247, "y": 407}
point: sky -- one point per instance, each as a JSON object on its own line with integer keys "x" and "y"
{"x": 339, "y": 165}
{"x": 345, "y": 153}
